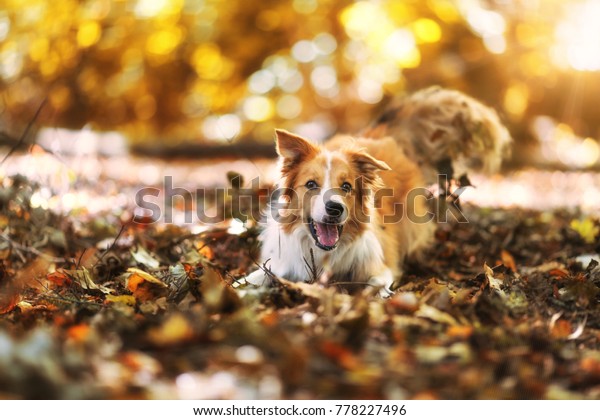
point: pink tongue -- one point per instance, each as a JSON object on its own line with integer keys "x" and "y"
{"x": 327, "y": 234}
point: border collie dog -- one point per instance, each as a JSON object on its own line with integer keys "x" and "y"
{"x": 355, "y": 207}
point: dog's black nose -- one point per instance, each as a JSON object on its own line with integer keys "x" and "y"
{"x": 334, "y": 209}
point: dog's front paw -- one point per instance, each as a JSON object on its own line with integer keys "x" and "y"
{"x": 383, "y": 282}
{"x": 258, "y": 282}
{"x": 385, "y": 293}
{"x": 256, "y": 278}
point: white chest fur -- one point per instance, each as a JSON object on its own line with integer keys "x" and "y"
{"x": 289, "y": 255}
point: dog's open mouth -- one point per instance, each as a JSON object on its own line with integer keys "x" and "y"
{"x": 326, "y": 235}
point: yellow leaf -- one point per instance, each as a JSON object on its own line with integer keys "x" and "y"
{"x": 174, "y": 330}
{"x": 24, "y": 305}
{"x": 126, "y": 299}
{"x": 586, "y": 228}
{"x": 146, "y": 276}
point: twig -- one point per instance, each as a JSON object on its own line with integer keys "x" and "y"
{"x": 18, "y": 246}
{"x": 267, "y": 271}
{"x": 312, "y": 267}
{"x": 263, "y": 267}
{"x": 353, "y": 283}
{"x": 205, "y": 245}
{"x": 79, "y": 259}
{"x": 25, "y": 133}
{"x": 73, "y": 301}
{"x": 57, "y": 296}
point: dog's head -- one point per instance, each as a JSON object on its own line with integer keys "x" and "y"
{"x": 327, "y": 191}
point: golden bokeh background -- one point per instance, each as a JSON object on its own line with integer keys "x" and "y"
{"x": 209, "y": 71}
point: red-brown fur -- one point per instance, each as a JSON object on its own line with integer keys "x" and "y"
{"x": 400, "y": 154}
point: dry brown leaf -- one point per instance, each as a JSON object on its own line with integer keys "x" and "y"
{"x": 340, "y": 355}
{"x": 8, "y": 301}
{"x": 561, "y": 329}
{"x": 508, "y": 260}
{"x": 59, "y": 278}
{"x": 145, "y": 290}
{"x": 31, "y": 274}
{"x": 217, "y": 295}
{"x": 405, "y": 302}
{"x": 83, "y": 278}
{"x": 545, "y": 267}
{"x": 559, "y": 272}
{"x": 434, "y": 314}
{"x": 461, "y": 332}
{"x": 79, "y": 332}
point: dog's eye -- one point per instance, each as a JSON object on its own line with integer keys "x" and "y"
{"x": 346, "y": 187}
{"x": 311, "y": 185}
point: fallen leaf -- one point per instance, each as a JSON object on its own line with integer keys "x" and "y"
{"x": 79, "y": 332}
{"x": 175, "y": 330}
{"x": 24, "y": 306}
{"x": 559, "y": 272}
{"x": 545, "y": 267}
{"x": 461, "y": 332}
{"x": 495, "y": 283}
{"x": 141, "y": 256}
{"x": 31, "y": 274}
{"x": 270, "y": 318}
{"x": 86, "y": 257}
{"x": 405, "y": 302}
{"x": 178, "y": 281}
{"x": 508, "y": 260}
{"x": 141, "y": 362}
{"x": 434, "y": 314}
{"x": 154, "y": 306}
{"x": 339, "y": 354}
{"x": 425, "y": 395}
{"x": 146, "y": 276}
{"x": 8, "y": 301}
{"x": 125, "y": 299}
{"x": 217, "y": 295}
{"x": 590, "y": 364}
{"x": 561, "y": 329}
{"x": 144, "y": 289}
{"x": 586, "y": 228}
{"x": 83, "y": 278}
{"x": 205, "y": 250}
{"x": 431, "y": 354}
{"x": 59, "y": 278}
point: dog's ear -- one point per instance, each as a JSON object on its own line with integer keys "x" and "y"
{"x": 293, "y": 148}
{"x": 367, "y": 163}
{"x": 367, "y": 167}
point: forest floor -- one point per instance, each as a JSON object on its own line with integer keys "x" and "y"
{"x": 505, "y": 306}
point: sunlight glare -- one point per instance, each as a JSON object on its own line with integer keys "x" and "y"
{"x": 154, "y": 8}
{"x": 258, "y": 108}
{"x": 578, "y": 38}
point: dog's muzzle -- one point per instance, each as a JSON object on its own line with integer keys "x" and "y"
{"x": 327, "y": 232}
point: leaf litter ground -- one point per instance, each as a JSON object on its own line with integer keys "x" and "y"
{"x": 505, "y": 306}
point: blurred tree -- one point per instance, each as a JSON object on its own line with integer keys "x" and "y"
{"x": 175, "y": 70}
